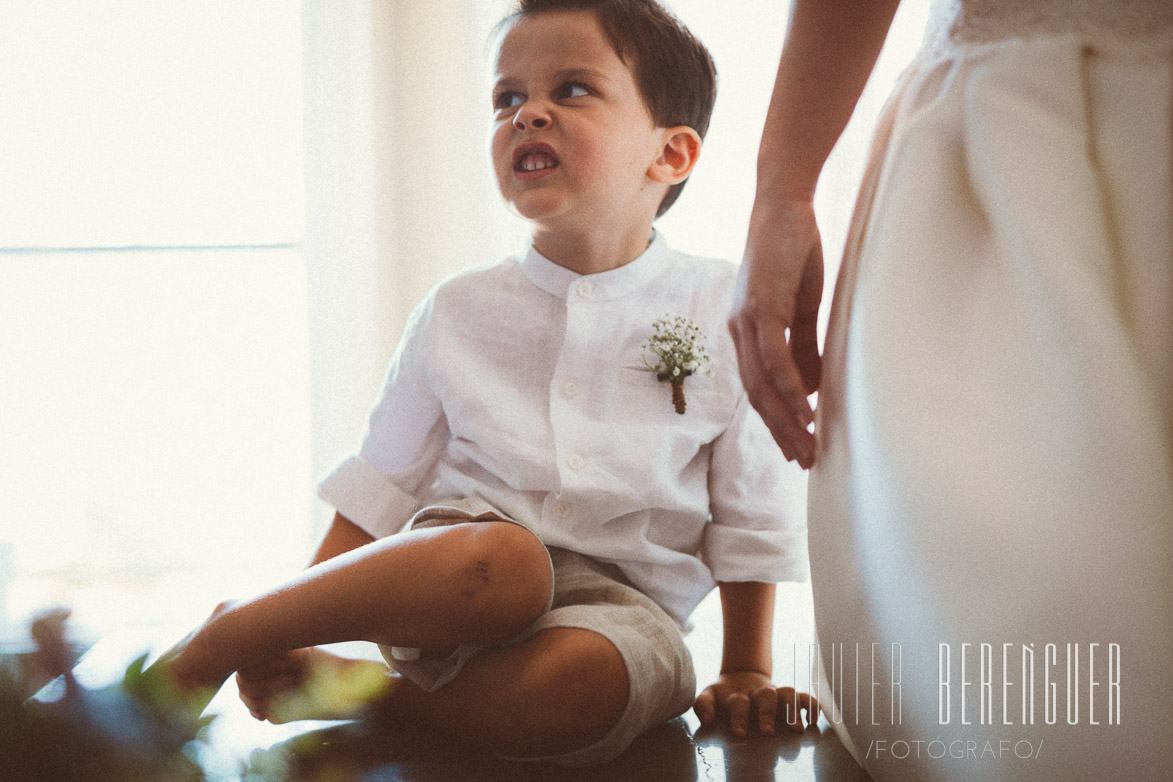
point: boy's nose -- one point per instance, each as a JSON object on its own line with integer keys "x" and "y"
{"x": 530, "y": 116}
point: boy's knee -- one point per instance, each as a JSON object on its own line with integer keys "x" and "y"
{"x": 502, "y": 575}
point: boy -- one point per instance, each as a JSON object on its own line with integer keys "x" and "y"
{"x": 523, "y": 528}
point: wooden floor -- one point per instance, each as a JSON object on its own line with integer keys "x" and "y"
{"x": 355, "y": 752}
{"x": 667, "y": 752}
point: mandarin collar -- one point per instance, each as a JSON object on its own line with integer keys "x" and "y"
{"x": 613, "y": 284}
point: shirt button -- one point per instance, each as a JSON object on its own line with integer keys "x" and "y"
{"x": 570, "y": 389}
{"x": 576, "y": 462}
{"x": 586, "y": 289}
{"x": 563, "y": 509}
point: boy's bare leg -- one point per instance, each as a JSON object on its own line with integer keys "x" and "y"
{"x": 560, "y": 690}
{"x": 467, "y": 583}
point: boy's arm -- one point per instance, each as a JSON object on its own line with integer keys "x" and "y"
{"x": 271, "y": 689}
{"x": 744, "y": 690}
{"x": 747, "y": 618}
{"x": 344, "y": 535}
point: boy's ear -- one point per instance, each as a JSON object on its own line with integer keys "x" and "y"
{"x": 681, "y": 149}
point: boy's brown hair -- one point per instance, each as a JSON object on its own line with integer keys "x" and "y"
{"x": 673, "y": 70}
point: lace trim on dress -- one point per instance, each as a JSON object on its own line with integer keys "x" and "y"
{"x": 954, "y": 23}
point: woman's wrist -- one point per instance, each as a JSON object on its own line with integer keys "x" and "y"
{"x": 774, "y": 209}
{"x": 776, "y": 184}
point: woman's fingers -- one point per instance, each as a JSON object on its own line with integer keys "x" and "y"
{"x": 804, "y": 331}
{"x": 774, "y": 322}
{"x": 775, "y": 385}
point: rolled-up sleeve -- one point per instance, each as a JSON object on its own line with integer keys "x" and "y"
{"x": 758, "y": 504}
{"x": 366, "y": 497}
{"x": 377, "y": 488}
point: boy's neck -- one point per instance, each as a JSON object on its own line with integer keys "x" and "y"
{"x": 592, "y": 252}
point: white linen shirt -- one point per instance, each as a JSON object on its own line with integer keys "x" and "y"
{"x": 525, "y": 384}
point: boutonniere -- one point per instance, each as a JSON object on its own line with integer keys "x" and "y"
{"x": 679, "y": 350}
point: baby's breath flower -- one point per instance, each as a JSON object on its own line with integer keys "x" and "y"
{"x": 678, "y": 347}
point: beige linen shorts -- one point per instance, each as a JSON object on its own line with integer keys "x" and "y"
{"x": 589, "y": 595}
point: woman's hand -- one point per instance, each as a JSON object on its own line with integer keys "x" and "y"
{"x": 742, "y": 697}
{"x": 775, "y": 317}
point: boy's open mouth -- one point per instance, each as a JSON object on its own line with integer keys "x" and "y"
{"x": 534, "y": 157}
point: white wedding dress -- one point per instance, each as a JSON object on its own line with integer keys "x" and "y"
{"x": 996, "y": 419}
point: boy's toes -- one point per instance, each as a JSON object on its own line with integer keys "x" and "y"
{"x": 161, "y": 692}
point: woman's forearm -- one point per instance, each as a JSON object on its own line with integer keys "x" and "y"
{"x": 830, "y": 49}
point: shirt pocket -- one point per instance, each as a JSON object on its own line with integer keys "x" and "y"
{"x": 640, "y": 397}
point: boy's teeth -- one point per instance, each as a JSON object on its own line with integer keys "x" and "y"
{"x": 536, "y": 162}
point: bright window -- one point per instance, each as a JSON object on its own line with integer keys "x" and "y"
{"x": 154, "y": 406}
{"x": 150, "y": 123}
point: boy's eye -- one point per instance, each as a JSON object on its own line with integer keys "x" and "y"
{"x": 508, "y": 100}
{"x": 573, "y": 89}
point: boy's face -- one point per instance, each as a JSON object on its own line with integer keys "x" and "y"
{"x": 572, "y": 138}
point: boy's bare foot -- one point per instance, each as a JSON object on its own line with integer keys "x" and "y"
{"x": 187, "y": 675}
{"x": 312, "y": 684}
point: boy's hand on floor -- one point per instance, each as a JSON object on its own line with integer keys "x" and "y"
{"x": 742, "y": 698}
